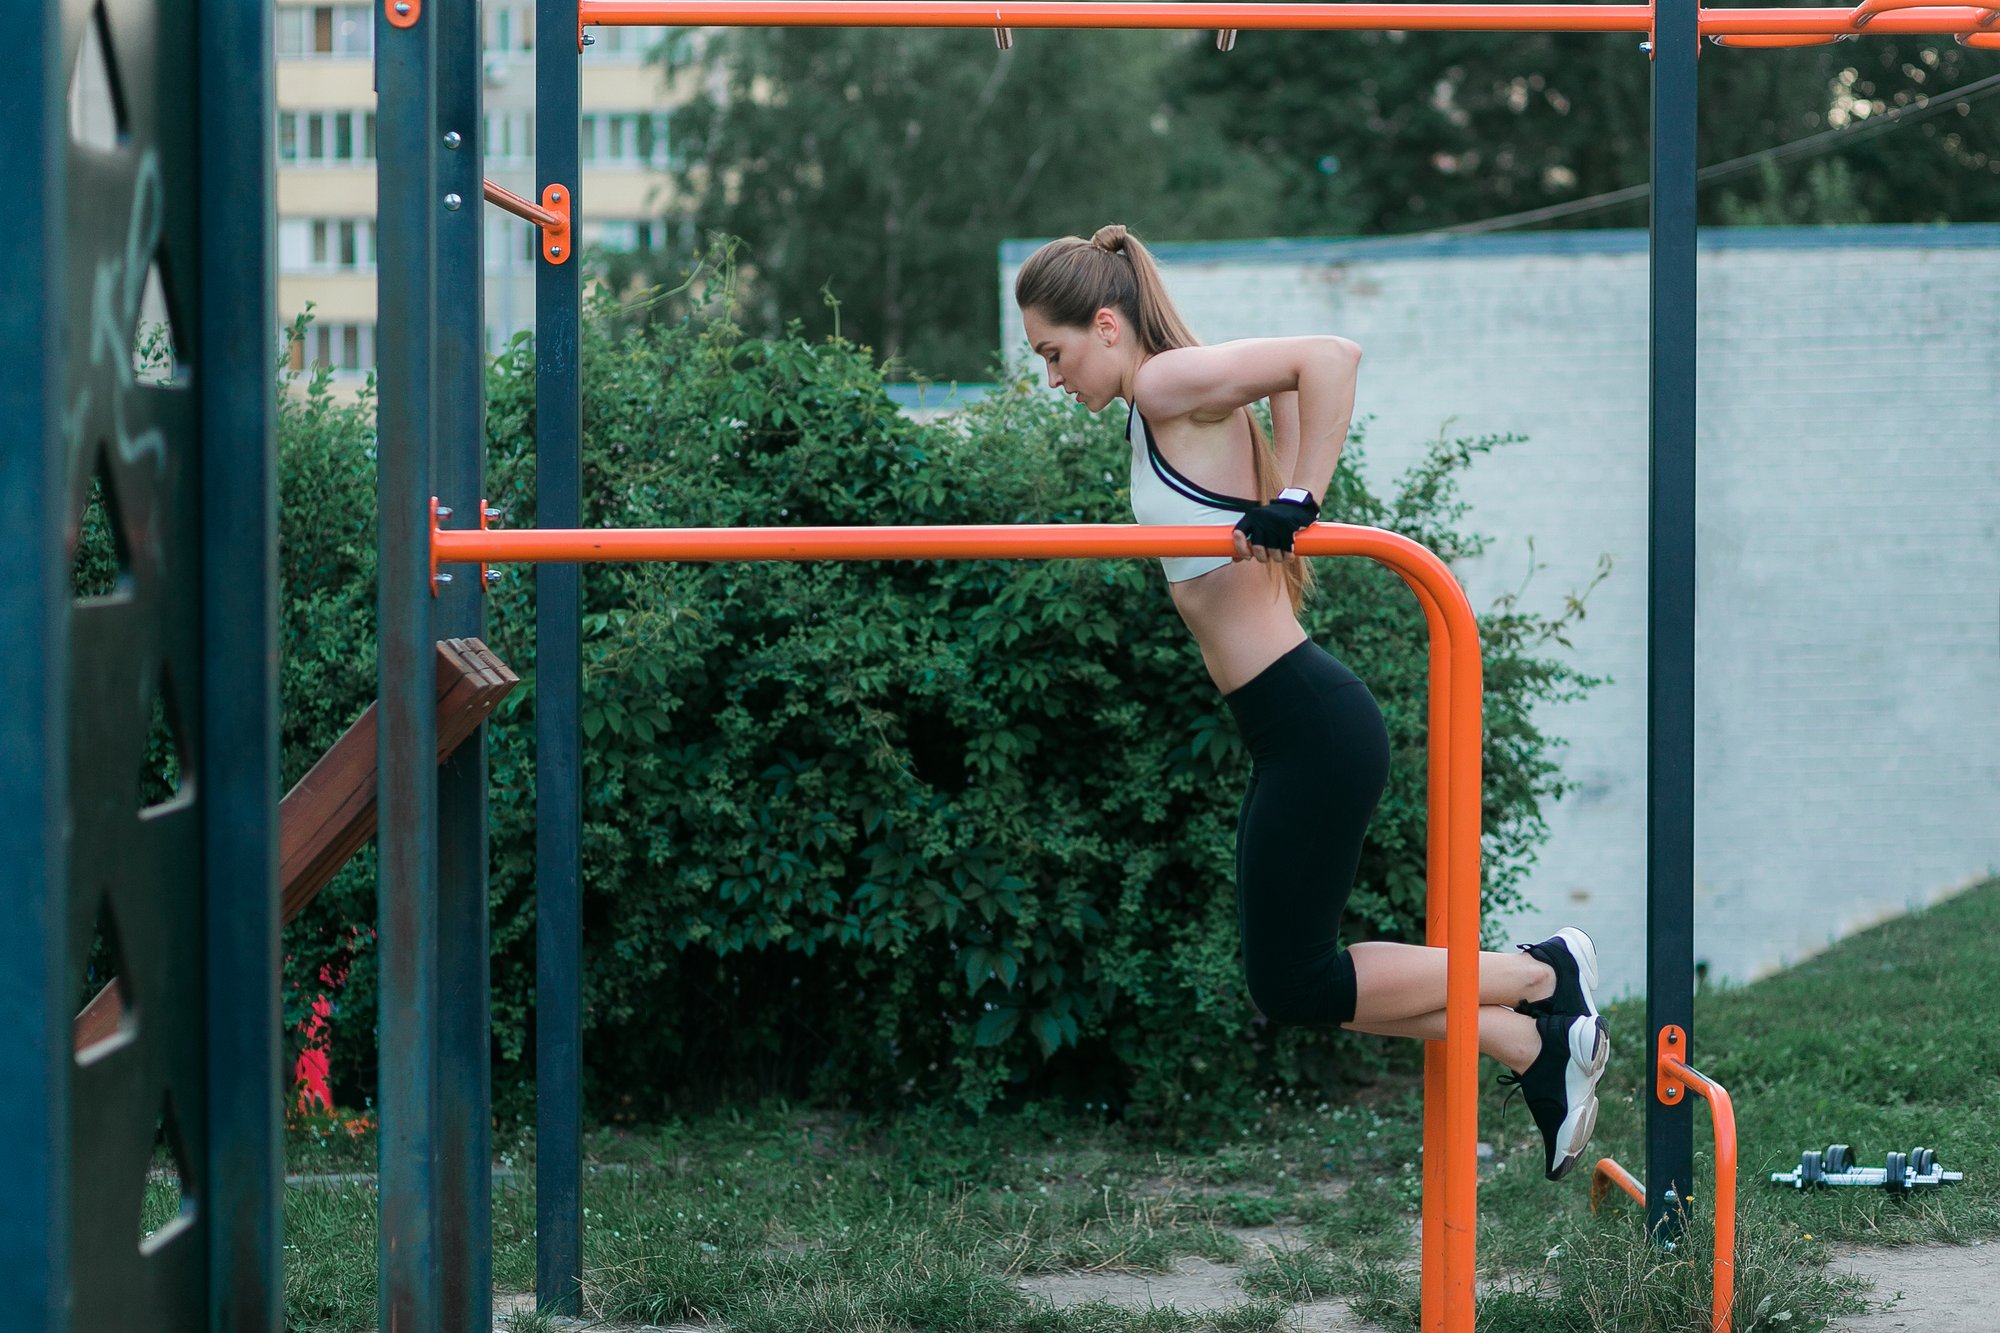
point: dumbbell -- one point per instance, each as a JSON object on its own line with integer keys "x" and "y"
{"x": 1899, "y": 1173}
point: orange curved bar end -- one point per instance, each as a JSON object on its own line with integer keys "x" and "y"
{"x": 1608, "y": 1174}
{"x": 1675, "y": 1078}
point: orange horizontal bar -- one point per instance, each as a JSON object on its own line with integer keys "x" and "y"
{"x": 521, "y": 208}
{"x": 1723, "y": 1113}
{"x": 1113, "y": 14}
{"x": 1033, "y": 541}
{"x": 1938, "y": 19}
{"x": 1925, "y": 19}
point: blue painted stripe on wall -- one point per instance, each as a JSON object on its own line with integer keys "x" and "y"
{"x": 1619, "y": 241}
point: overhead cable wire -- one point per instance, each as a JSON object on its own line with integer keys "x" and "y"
{"x": 1812, "y": 145}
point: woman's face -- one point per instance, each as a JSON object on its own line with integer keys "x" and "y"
{"x": 1085, "y": 363}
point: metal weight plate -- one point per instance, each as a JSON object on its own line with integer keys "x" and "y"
{"x": 1894, "y": 1179}
{"x": 1839, "y": 1157}
{"x": 1809, "y": 1172}
{"x": 1922, "y": 1160}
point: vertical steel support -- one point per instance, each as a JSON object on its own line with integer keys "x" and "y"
{"x": 465, "y": 1076}
{"x": 36, "y": 990}
{"x": 408, "y": 207}
{"x": 239, "y": 635}
{"x": 1670, "y": 656}
{"x": 558, "y": 687}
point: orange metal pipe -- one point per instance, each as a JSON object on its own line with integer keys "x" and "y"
{"x": 1723, "y": 1114}
{"x": 1609, "y": 1173}
{"x": 1113, "y": 14}
{"x": 521, "y": 208}
{"x": 1451, "y": 1205}
{"x": 1909, "y": 19}
{"x": 1437, "y": 913}
{"x": 1234, "y": 17}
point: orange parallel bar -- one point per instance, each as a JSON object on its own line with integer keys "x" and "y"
{"x": 1113, "y": 14}
{"x": 1437, "y": 915}
{"x": 1609, "y": 1173}
{"x": 1452, "y": 1115}
{"x": 1723, "y": 1113}
{"x": 519, "y": 207}
{"x": 1931, "y": 19}
{"x": 1907, "y": 20}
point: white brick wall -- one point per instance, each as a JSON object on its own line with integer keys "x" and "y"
{"x": 1848, "y": 631}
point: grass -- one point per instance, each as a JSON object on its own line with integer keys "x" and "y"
{"x": 775, "y": 1218}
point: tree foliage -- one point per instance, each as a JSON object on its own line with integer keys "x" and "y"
{"x": 1391, "y": 132}
{"x": 878, "y": 833}
{"x": 887, "y": 165}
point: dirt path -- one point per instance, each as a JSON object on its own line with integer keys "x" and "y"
{"x": 1935, "y": 1288}
{"x": 1919, "y": 1289}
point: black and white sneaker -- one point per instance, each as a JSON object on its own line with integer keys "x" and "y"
{"x": 1560, "y": 1087}
{"x": 1574, "y": 958}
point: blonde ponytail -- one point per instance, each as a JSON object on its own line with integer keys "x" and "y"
{"x": 1071, "y": 279}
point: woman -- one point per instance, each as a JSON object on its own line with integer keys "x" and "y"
{"x": 1098, "y": 314}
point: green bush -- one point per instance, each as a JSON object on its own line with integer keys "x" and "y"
{"x": 887, "y": 832}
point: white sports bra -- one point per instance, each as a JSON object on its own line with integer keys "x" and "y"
{"x": 1161, "y": 495}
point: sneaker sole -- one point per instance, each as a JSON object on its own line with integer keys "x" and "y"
{"x": 1585, "y": 953}
{"x": 1581, "y": 1124}
{"x": 1589, "y": 1053}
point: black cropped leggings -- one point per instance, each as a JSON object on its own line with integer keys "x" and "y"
{"x": 1319, "y": 759}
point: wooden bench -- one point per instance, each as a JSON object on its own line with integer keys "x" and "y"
{"x": 330, "y": 815}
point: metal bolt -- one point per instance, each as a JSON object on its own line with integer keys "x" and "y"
{"x": 444, "y": 578}
{"x": 452, "y": 139}
{"x": 402, "y": 7}
{"x": 555, "y": 252}
{"x": 443, "y": 512}
{"x": 492, "y": 576}
{"x": 1646, "y": 46}
{"x": 589, "y": 39}
{"x": 492, "y": 514}
{"x": 555, "y": 196}
{"x": 451, "y": 203}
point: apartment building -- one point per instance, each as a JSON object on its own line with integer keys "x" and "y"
{"x": 326, "y": 240}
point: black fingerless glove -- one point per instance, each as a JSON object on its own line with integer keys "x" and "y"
{"x": 1273, "y": 525}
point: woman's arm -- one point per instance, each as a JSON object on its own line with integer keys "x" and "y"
{"x": 1285, "y": 430}
{"x": 1317, "y": 374}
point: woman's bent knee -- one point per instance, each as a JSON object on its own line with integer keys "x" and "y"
{"x": 1321, "y": 996}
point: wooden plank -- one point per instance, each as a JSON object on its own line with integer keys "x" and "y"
{"x": 330, "y": 814}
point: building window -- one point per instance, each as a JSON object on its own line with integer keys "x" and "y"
{"x": 338, "y": 347}
{"x": 624, "y": 139}
{"x": 326, "y": 137}
{"x": 510, "y": 136}
{"x": 314, "y": 32}
{"x": 326, "y": 245}
{"x": 619, "y": 234}
{"x": 510, "y": 27}
{"x": 511, "y": 244}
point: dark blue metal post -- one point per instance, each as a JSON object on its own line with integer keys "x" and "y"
{"x": 409, "y": 204}
{"x": 239, "y": 635}
{"x": 1670, "y": 657}
{"x": 558, "y": 687}
{"x": 35, "y": 991}
{"x": 465, "y": 1076}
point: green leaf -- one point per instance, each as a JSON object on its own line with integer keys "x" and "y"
{"x": 995, "y": 1026}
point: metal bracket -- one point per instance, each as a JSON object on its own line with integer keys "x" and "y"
{"x": 555, "y": 235}
{"x": 1225, "y": 39}
{"x": 487, "y": 513}
{"x": 402, "y": 13}
{"x": 437, "y": 511}
{"x": 1672, "y": 1041}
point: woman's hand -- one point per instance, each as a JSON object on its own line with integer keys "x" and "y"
{"x": 1265, "y": 533}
